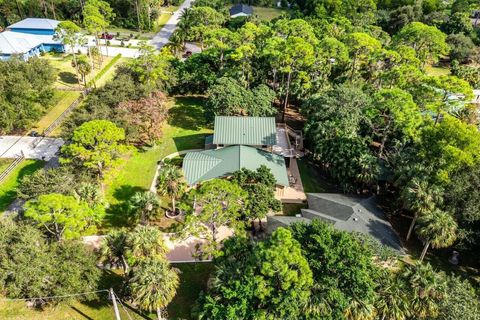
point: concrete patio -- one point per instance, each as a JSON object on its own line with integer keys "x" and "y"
{"x": 294, "y": 193}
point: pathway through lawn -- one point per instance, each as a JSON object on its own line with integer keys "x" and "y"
{"x": 185, "y": 129}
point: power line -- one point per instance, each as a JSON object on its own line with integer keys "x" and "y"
{"x": 54, "y": 297}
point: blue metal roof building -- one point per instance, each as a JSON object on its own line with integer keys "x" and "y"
{"x": 29, "y": 38}
{"x": 35, "y": 26}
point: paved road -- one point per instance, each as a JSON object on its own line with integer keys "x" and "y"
{"x": 162, "y": 38}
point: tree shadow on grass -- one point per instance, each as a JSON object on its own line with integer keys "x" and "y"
{"x": 193, "y": 280}
{"x": 68, "y": 77}
{"x": 8, "y": 196}
{"x": 188, "y": 113}
{"x": 80, "y": 312}
{"x": 118, "y": 214}
{"x": 194, "y": 141}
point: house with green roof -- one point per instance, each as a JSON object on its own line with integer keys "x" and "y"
{"x": 237, "y": 142}
{"x": 218, "y": 163}
{"x": 260, "y": 132}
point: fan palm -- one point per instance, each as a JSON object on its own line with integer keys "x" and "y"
{"x": 437, "y": 229}
{"x": 427, "y": 288}
{"x": 90, "y": 193}
{"x": 421, "y": 198}
{"x": 170, "y": 182}
{"x": 153, "y": 285}
{"x": 144, "y": 242}
{"x": 392, "y": 302}
{"x": 113, "y": 249}
{"x": 359, "y": 310}
{"x": 177, "y": 42}
{"x": 145, "y": 204}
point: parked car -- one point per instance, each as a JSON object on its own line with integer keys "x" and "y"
{"x": 106, "y": 36}
{"x": 187, "y": 54}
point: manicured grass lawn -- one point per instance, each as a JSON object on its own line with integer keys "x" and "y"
{"x": 185, "y": 129}
{"x": 108, "y": 75}
{"x": 67, "y": 77}
{"x": 267, "y": 13}
{"x": 63, "y": 99}
{"x": 127, "y": 32}
{"x": 311, "y": 178}
{"x": 193, "y": 279}
{"x": 4, "y": 163}
{"x": 8, "y": 186}
{"x": 437, "y": 71}
{"x": 164, "y": 17}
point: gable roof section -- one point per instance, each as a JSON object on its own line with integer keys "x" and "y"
{"x": 253, "y": 131}
{"x": 197, "y": 164}
{"x": 210, "y": 164}
{"x": 352, "y": 214}
{"x": 36, "y": 24}
{"x": 241, "y": 8}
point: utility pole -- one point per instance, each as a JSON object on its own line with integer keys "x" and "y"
{"x": 115, "y": 307}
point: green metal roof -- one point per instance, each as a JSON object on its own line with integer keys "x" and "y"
{"x": 210, "y": 164}
{"x": 253, "y": 131}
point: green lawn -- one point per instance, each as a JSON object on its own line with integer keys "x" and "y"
{"x": 311, "y": 179}
{"x": 186, "y": 129}
{"x": 127, "y": 32}
{"x": 193, "y": 279}
{"x": 62, "y": 100}
{"x": 4, "y": 163}
{"x": 108, "y": 75}
{"x": 67, "y": 78}
{"x": 8, "y": 186}
{"x": 164, "y": 17}
{"x": 267, "y": 13}
{"x": 437, "y": 71}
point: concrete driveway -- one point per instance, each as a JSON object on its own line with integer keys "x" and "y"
{"x": 12, "y": 147}
{"x": 163, "y": 37}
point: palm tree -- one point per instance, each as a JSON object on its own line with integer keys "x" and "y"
{"x": 392, "y": 301}
{"x": 113, "y": 249}
{"x": 69, "y": 34}
{"x": 153, "y": 285}
{"x": 177, "y": 43}
{"x": 144, "y": 203}
{"x": 170, "y": 182}
{"x": 90, "y": 193}
{"x": 437, "y": 229}
{"x": 359, "y": 310}
{"x": 426, "y": 289}
{"x": 420, "y": 197}
{"x": 84, "y": 68}
{"x": 145, "y": 242}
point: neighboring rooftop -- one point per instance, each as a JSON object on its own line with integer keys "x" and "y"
{"x": 347, "y": 213}
{"x": 35, "y": 23}
{"x": 19, "y": 43}
{"x": 253, "y": 131}
{"x": 353, "y": 214}
{"x": 241, "y": 9}
{"x": 210, "y": 164}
